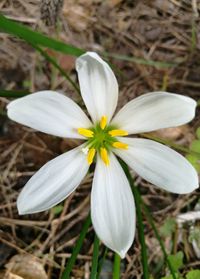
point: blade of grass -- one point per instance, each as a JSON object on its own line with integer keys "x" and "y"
{"x": 95, "y": 257}
{"x": 139, "y": 220}
{"x": 12, "y": 93}
{"x": 18, "y": 94}
{"x": 54, "y": 63}
{"x": 33, "y": 37}
{"x": 101, "y": 261}
{"x": 148, "y": 216}
{"x": 116, "y": 267}
{"x": 142, "y": 61}
{"x": 76, "y": 249}
{"x": 193, "y": 36}
{"x": 171, "y": 144}
{"x": 151, "y": 222}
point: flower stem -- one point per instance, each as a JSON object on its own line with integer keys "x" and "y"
{"x": 76, "y": 249}
{"x": 95, "y": 256}
{"x": 116, "y": 267}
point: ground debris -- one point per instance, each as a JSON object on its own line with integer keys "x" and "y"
{"x": 26, "y": 267}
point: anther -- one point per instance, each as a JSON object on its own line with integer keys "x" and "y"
{"x": 103, "y": 122}
{"x": 86, "y": 132}
{"x": 117, "y": 133}
{"x": 104, "y": 156}
{"x": 121, "y": 145}
{"x": 90, "y": 155}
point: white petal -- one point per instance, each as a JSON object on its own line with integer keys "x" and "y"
{"x": 53, "y": 182}
{"x": 153, "y": 111}
{"x": 49, "y": 112}
{"x": 159, "y": 165}
{"x": 112, "y": 206}
{"x": 98, "y": 85}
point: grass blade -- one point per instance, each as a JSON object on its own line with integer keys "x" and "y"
{"x": 12, "y": 93}
{"x": 151, "y": 222}
{"x": 101, "y": 261}
{"x": 95, "y": 257}
{"x": 138, "y": 199}
{"x": 171, "y": 144}
{"x": 33, "y": 37}
{"x": 76, "y": 249}
{"x": 142, "y": 61}
{"x": 116, "y": 267}
{"x": 54, "y": 63}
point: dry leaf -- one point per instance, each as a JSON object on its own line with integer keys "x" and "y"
{"x": 25, "y": 267}
{"x": 13, "y": 276}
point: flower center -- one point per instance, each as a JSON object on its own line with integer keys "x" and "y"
{"x": 101, "y": 139}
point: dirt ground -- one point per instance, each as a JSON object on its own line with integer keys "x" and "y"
{"x": 153, "y": 45}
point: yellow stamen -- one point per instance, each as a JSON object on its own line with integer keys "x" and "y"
{"x": 103, "y": 122}
{"x": 117, "y": 133}
{"x": 104, "y": 156}
{"x": 86, "y": 132}
{"x": 90, "y": 155}
{"x": 119, "y": 144}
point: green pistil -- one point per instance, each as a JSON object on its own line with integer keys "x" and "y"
{"x": 101, "y": 138}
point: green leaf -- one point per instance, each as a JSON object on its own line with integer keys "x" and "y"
{"x": 57, "y": 209}
{"x": 171, "y": 277}
{"x": 193, "y": 274}
{"x": 194, "y": 160}
{"x": 168, "y": 227}
{"x": 149, "y": 218}
{"x": 176, "y": 260}
{"x": 198, "y": 133}
{"x": 138, "y": 60}
{"x": 12, "y": 93}
{"x": 95, "y": 258}
{"x": 33, "y": 37}
{"x": 36, "y": 38}
{"x": 195, "y": 146}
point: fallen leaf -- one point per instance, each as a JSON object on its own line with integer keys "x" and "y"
{"x": 25, "y": 267}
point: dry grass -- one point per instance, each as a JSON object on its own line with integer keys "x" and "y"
{"x": 167, "y": 31}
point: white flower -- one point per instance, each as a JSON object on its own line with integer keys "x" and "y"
{"x": 112, "y": 203}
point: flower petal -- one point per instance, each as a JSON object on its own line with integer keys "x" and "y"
{"x": 160, "y": 165}
{"x": 153, "y": 111}
{"x": 98, "y": 85}
{"x": 49, "y": 112}
{"x": 112, "y": 206}
{"x": 53, "y": 182}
